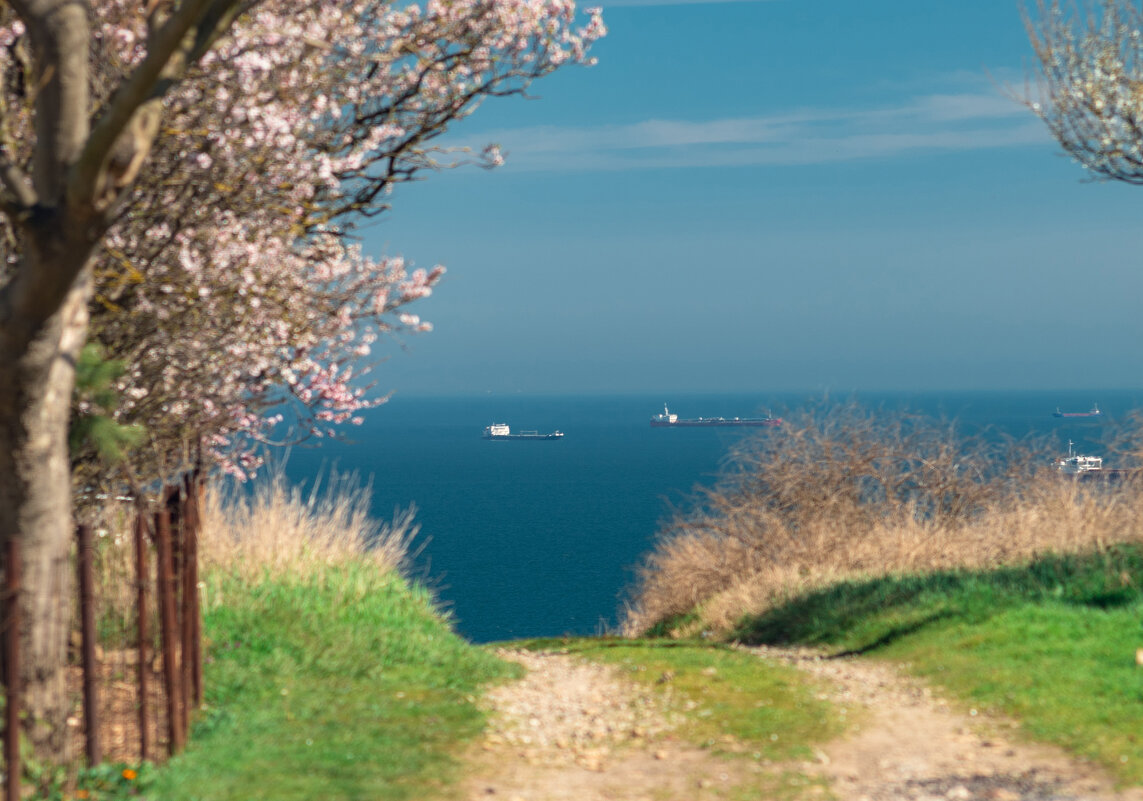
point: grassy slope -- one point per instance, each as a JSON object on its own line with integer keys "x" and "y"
{"x": 1069, "y": 673}
{"x": 350, "y": 687}
{"x": 343, "y": 687}
{"x": 1053, "y": 643}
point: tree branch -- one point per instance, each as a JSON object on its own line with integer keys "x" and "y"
{"x": 16, "y": 182}
{"x": 59, "y": 32}
{"x": 169, "y": 53}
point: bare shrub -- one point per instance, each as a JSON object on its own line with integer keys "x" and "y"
{"x": 845, "y": 493}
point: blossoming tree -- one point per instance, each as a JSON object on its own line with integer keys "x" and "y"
{"x": 189, "y": 171}
{"x": 1090, "y": 92}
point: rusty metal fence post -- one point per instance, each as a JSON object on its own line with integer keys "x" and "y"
{"x": 13, "y": 689}
{"x": 174, "y": 531}
{"x": 199, "y": 486}
{"x": 192, "y": 668}
{"x": 167, "y": 625}
{"x": 93, "y": 747}
{"x": 185, "y": 594}
{"x": 142, "y": 579}
{"x": 176, "y": 506}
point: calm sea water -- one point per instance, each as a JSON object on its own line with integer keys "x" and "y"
{"x": 524, "y": 539}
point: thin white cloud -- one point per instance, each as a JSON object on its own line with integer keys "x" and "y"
{"x": 936, "y": 122}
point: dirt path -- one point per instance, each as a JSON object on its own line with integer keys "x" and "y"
{"x": 913, "y": 745}
{"x": 572, "y": 730}
{"x": 575, "y": 730}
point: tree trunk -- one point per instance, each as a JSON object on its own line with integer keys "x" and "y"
{"x": 59, "y": 214}
{"x": 36, "y": 380}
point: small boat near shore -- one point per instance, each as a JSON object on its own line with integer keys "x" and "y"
{"x": 1078, "y": 467}
{"x": 1075, "y": 465}
{"x": 1093, "y": 412}
{"x": 503, "y": 431}
{"x": 670, "y": 420}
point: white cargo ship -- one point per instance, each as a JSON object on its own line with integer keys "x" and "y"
{"x": 1074, "y": 465}
{"x": 670, "y": 420}
{"x": 502, "y": 431}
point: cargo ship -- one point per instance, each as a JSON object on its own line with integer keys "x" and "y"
{"x": 1093, "y": 412}
{"x": 502, "y": 431}
{"x": 1091, "y": 469}
{"x": 1075, "y": 465}
{"x": 669, "y": 420}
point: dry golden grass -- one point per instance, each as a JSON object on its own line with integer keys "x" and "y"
{"x": 272, "y": 530}
{"x": 278, "y": 530}
{"x": 849, "y": 495}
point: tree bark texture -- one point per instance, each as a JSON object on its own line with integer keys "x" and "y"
{"x": 35, "y": 507}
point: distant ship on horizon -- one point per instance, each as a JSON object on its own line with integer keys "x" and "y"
{"x": 503, "y": 431}
{"x": 669, "y": 420}
{"x": 1093, "y": 412}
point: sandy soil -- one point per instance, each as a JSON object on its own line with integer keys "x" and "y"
{"x": 576, "y": 730}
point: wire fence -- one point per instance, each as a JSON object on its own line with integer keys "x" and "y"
{"x": 135, "y": 658}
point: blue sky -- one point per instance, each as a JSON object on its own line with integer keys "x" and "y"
{"x": 777, "y": 195}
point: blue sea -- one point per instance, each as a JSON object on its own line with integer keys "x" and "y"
{"x": 541, "y": 538}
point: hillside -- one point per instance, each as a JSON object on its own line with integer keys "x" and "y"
{"x": 330, "y": 675}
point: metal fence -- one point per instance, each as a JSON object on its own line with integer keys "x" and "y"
{"x": 139, "y": 683}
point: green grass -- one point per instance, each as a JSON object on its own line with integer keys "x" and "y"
{"x": 1067, "y": 672}
{"x": 868, "y": 614}
{"x": 343, "y": 687}
{"x": 1052, "y": 643}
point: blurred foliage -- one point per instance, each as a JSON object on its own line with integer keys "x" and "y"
{"x": 94, "y": 432}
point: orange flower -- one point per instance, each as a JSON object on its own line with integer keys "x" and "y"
{"x": 129, "y": 774}
{"x": 81, "y": 794}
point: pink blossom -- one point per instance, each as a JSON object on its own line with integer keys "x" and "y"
{"x": 242, "y": 299}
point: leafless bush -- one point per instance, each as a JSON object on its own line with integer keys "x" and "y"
{"x": 844, "y": 493}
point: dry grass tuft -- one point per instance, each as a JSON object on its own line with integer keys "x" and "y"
{"x": 272, "y": 530}
{"x": 849, "y": 495}
{"x": 281, "y": 530}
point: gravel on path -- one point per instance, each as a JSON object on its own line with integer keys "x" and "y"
{"x": 576, "y": 730}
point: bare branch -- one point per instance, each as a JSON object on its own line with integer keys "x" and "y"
{"x": 16, "y": 182}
